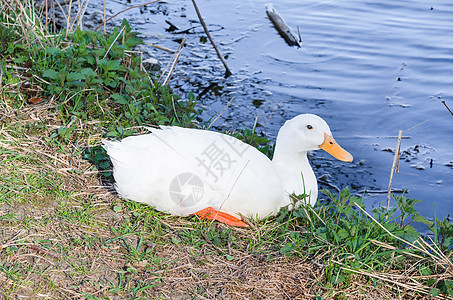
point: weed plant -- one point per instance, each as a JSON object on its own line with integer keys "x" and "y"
{"x": 348, "y": 240}
{"x": 91, "y": 76}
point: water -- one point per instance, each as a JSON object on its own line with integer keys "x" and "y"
{"x": 369, "y": 68}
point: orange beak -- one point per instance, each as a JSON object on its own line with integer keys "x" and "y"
{"x": 331, "y": 146}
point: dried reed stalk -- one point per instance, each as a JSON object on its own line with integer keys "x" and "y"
{"x": 173, "y": 61}
{"x": 393, "y": 170}
{"x": 218, "y": 116}
{"x": 227, "y": 69}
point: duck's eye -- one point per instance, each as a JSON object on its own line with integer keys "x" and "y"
{"x": 309, "y": 127}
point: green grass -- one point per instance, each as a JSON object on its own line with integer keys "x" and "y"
{"x": 65, "y": 234}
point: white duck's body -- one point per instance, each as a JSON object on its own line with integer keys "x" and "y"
{"x": 183, "y": 171}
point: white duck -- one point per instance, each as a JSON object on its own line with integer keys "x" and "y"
{"x": 190, "y": 171}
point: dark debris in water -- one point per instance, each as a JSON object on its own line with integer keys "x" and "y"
{"x": 413, "y": 152}
{"x": 416, "y": 155}
{"x": 335, "y": 176}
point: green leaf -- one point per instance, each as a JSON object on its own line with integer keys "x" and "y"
{"x": 12, "y": 249}
{"x": 73, "y": 76}
{"x": 111, "y": 82}
{"x": 191, "y": 97}
{"x": 329, "y": 194}
{"x": 119, "y": 99}
{"x": 434, "y": 292}
{"x": 229, "y": 257}
{"x": 128, "y": 115}
{"x": 349, "y": 211}
{"x": 392, "y": 227}
{"x": 133, "y": 41}
{"x": 322, "y": 232}
{"x": 53, "y": 51}
{"x": 344, "y": 195}
{"x": 426, "y": 271}
{"x": 88, "y": 72}
{"x": 52, "y": 74}
{"x": 448, "y": 242}
{"x": 174, "y": 240}
{"x": 110, "y": 65}
{"x": 288, "y": 248}
{"x": 117, "y": 208}
{"x": 337, "y": 279}
{"x": 295, "y": 236}
{"x": 421, "y": 219}
{"x": 342, "y": 234}
{"x": 445, "y": 287}
{"x": 354, "y": 201}
{"x": 62, "y": 75}
{"x": 90, "y": 59}
{"x": 112, "y": 134}
{"x": 104, "y": 165}
{"x": 125, "y": 24}
{"x": 58, "y": 90}
{"x": 408, "y": 233}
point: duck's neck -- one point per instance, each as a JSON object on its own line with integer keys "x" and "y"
{"x": 295, "y": 172}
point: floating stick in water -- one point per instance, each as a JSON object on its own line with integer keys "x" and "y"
{"x": 281, "y": 26}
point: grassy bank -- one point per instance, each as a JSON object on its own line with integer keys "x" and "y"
{"x": 65, "y": 234}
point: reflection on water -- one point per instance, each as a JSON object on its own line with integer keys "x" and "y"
{"x": 368, "y": 68}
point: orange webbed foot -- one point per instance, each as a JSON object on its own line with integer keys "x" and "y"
{"x": 212, "y": 214}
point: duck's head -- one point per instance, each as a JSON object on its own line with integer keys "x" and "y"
{"x": 309, "y": 132}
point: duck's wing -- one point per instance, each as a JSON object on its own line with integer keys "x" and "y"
{"x": 179, "y": 170}
{"x": 218, "y": 156}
